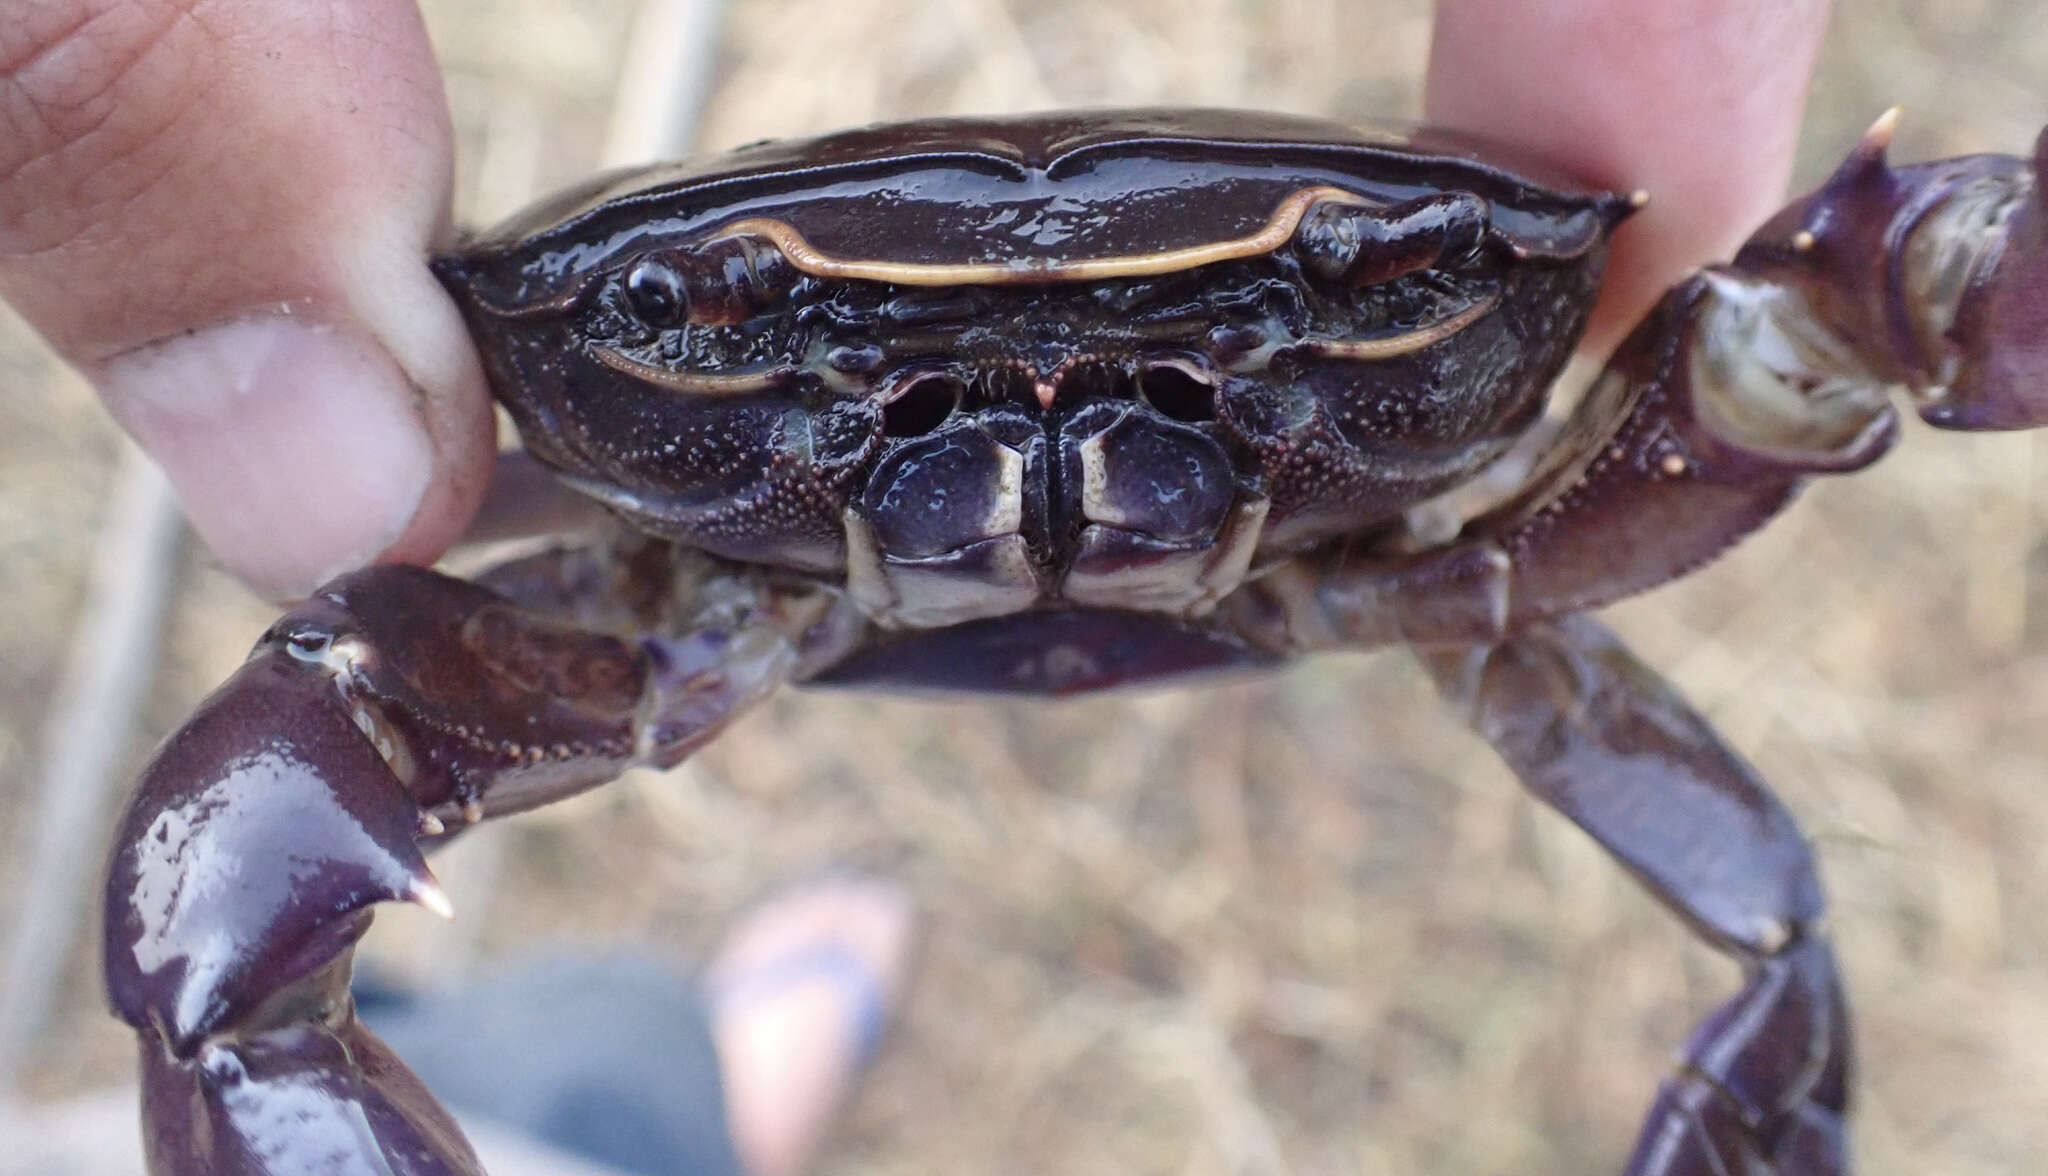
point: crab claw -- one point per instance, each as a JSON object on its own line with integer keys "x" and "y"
{"x": 269, "y": 793}
{"x": 259, "y": 836}
{"x": 1934, "y": 275}
{"x": 368, "y": 721}
{"x": 2000, "y": 327}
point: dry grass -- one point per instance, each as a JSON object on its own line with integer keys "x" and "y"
{"x": 1299, "y": 925}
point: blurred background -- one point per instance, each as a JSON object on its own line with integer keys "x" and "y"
{"x": 1299, "y": 925}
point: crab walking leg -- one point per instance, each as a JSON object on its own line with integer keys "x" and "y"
{"x": 1762, "y": 1087}
{"x": 394, "y": 705}
{"x": 1745, "y": 380}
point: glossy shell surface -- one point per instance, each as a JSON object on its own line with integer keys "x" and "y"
{"x": 1098, "y": 360}
{"x": 1033, "y": 192}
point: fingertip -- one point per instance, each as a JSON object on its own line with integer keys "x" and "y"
{"x": 1697, "y": 103}
{"x": 413, "y": 316}
{"x": 298, "y": 449}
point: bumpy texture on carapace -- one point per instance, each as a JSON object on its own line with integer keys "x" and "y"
{"x": 1108, "y": 359}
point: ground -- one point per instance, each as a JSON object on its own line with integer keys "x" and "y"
{"x": 1301, "y": 924}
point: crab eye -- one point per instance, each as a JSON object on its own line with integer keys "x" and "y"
{"x": 1363, "y": 246}
{"x": 721, "y": 282}
{"x": 657, "y": 293}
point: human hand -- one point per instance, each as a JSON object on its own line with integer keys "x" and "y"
{"x": 1697, "y": 103}
{"x": 219, "y": 210}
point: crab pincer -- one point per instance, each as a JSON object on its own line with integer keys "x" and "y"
{"x": 394, "y": 707}
{"x": 1937, "y": 272}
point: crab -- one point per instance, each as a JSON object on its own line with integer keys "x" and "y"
{"x": 1051, "y": 404}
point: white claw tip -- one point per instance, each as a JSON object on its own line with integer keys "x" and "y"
{"x": 431, "y": 825}
{"x": 1640, "y": 198}
{"x": 472, "y": 812}
{"x": 1879, "y": 136}
{"x": 1803, "y": 241}
{"x": 427, "y": 893}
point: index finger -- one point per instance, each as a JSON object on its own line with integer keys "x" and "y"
{"x": 1699, "y": 104}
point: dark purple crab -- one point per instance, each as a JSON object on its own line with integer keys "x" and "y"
{"x": 1051, "y": 404}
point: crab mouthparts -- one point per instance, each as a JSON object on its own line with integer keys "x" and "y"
{"x": 1046, "y": 391}
{"x": 1101, "y": 481}
{"x": 922, "y": 401}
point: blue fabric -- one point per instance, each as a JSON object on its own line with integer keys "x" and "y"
{"x": 610, "y": 1058}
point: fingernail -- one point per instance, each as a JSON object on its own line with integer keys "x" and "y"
{"x": 295, "y": 447}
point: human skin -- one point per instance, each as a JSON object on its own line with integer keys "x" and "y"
{"x": 1696, "y": 104}
{"x": 311, "y": 393}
